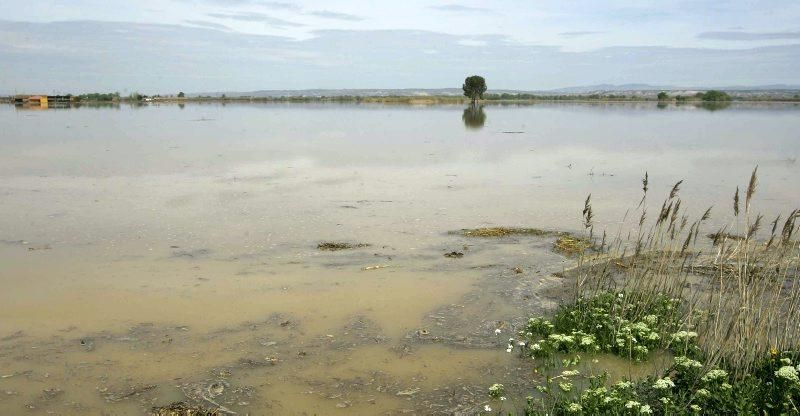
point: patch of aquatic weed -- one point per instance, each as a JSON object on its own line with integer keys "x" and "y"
{"x": 509, "y": 231}
{"x": 572, "y": 246}
{"x": 183, "y": 409}
{"x": 726, "y": 312}
{"x": 339, "y": 245}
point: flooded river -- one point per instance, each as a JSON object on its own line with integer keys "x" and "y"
{"x": 157, "y": 254}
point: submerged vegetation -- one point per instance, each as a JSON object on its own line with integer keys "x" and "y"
{"x": 336, "y": 245}
{"x": 509, "y": 231}
{"x": 571, "y": 245}
{"x": 724, "y": 315}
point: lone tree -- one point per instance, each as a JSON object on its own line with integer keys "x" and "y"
{"x": 663, "y": 96}
{"x": 474, "y": 87}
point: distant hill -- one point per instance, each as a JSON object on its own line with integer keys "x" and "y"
{"x": 363, "y": 92}
{"x": 626, "y": 89}
{"x": 648, "y": 87}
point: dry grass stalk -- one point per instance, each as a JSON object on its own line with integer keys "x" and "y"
{"x": 743, "y": 296}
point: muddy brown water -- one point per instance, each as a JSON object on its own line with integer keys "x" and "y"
{"x": 158, "y": 254}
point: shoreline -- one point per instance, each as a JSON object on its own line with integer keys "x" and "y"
{"x": 414, "y": 101}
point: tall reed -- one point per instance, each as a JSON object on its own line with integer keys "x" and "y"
{"x": 739, "y": 286}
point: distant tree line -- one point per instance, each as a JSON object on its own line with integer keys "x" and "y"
{"x": 708, "y": 96}
{"x": 98, "y": 97}
{"x": 564, "y": 97}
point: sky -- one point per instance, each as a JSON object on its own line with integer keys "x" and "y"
{"x": 164, "y": 46}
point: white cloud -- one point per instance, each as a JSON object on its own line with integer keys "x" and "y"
{"x": 198, "y": 59}
{"x": 471, "y": 42}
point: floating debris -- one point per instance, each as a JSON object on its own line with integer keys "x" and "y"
{"x": 409, "y": 392}
{"x": 216, "y": 388}
{"x": 37, "y": 248}
{"x": 336, "y": 246}
{"x": 509, "y": 231}
{"x": 87, "y": 344}
{"x": 128, "y": 392}
{"x": 183, "y": 409}
{"x": 18, "y": 373}
{"x": 51, "y": 393}
{"x": 191, "y": 254}
{"x": 454, "y": 255}
{"x": 379, "y": 266}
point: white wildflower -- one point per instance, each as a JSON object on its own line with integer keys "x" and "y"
{"x": 645, "y": 410}
{"x": 714, "y": 375}
{"x": 487, "y": 408}
{"x": 787, "y": 373}
{"x": 663, "y": 384}
{"x": 624, "y": 385}
{"x": 681, "y": 336}
{"x": 574, "y": 408}
{"x": 686, "y": 362}
{"x": 631, "y": 404}
{"x": 497, "y": 331}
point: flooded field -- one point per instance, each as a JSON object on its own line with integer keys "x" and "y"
{"x": 307, "y": 258}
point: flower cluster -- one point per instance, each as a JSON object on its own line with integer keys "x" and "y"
{"x": 497, "y": 391}
{"x": 631, "y": 326}
{"x": 609, "y": 322}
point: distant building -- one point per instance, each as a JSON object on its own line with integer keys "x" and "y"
{"x": 43, "y": 101}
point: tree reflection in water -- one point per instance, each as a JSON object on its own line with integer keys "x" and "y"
{"x": 474, "y": 117}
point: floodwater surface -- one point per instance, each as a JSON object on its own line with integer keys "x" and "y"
{"x": 169, "y": 253}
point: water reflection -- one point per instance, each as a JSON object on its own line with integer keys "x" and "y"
{"x": 710, "y": 106}
{"x": 714, "y": 106}
{"x": 112, "y": 216}
{"x": 474, "y": 117}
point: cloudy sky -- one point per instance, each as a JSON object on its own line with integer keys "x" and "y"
{"x": 161, "y": 46}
